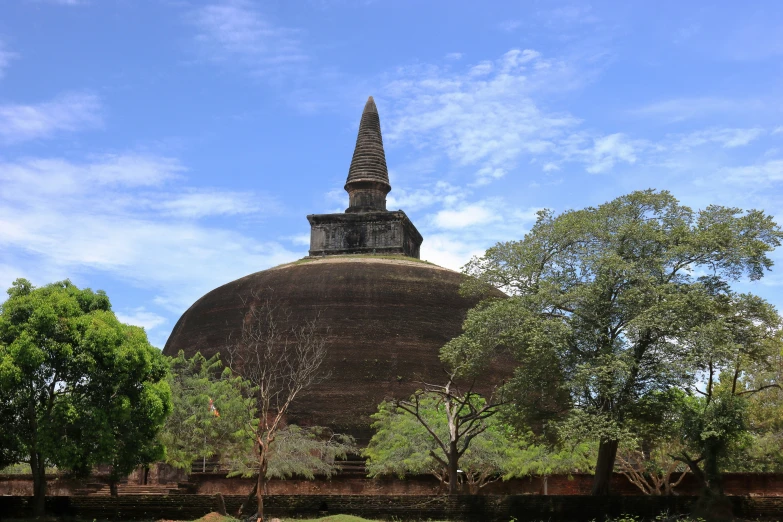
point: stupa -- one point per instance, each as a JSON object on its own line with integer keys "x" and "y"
{"x": 366, "y": 227}
{"x": 386, "y": 313}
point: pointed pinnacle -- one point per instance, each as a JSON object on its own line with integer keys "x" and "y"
{"x": 369, "y": 159}
{"x": 370, "y": 106}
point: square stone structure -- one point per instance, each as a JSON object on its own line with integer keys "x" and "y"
{"x": 364, "y": 233}
{"x": 366, "y": 227}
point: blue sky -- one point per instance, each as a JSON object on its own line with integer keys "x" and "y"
{"x": 158, "y": 149}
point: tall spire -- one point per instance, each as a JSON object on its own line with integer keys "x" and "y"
{"x": 368, "y": 177}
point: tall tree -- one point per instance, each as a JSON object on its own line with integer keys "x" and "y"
{"x": 738, "y": 342}
{"x": 601, "y": 300}
{"x": 280, "y": 360}
{"x": 213, "y": 413}
{"x": 70, "y": 374}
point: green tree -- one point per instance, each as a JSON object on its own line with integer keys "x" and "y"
{"x": 454, "y": 438}
{"x": 546, "y": 459}
{"x": 73, "y": 379}
{"x": 297, "y": 451}
{"x": 601, "y": 300}
{"x": 736, "y": 350}
{"x": 213, "y": 413}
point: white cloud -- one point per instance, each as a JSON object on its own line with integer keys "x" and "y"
{"x": 58, "y": 216}
{"x": 237, "y": 30}
{"x": 64, "y": 2}
{"x": 680, "y": 109}
{"x": 454, "y": 56}
{"x": 69, "y": 112}
{"x": 439, "y": 193}
{"x": 6, "y": 57}
{"x": 449, "y": 251}
{"x": 726, "y": 137}
{"x": 37, "y": 180}
{"x": 141, "y": 317}
{"x": 468, "y": 216}
{"x": 484, "y": 117}
{"x": 608, "y": 150}
{"x": 510, "y": 25}
{"x": 760, "y": 174}
{"x": 300, "y": 239}
{"x": 202, "y": 203}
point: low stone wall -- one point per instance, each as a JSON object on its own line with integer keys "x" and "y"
{"x": 484, "y": 508}
{"x": 735, "y": 484}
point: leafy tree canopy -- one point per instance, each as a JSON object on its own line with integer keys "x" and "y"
{"x": 402, "y": 446}
{"x": 602, "y": 303}
{"x": 77, "y": 387}
{"x": 213, "y": 413}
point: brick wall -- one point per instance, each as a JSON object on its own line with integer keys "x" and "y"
{"x": 736, "y": 484}
{"x": 485, "y": 508}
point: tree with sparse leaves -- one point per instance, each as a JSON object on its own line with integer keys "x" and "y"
{"x": 280, "y": 360}
{"x": 77, "y": 387}
{"x": 440, "y": 431}
{"x": 601, "y": 303}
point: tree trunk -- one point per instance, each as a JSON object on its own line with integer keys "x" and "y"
{"x": 246, "y": 504}
{"x": 712, "y": 475}
{"x": 113, "y": 488}
{"x": 453, "y": 467}
{"x": 38, "y": 468}
{"x": 220, "y": 504}
{"x": 607, "y": 452}
{"x": 260, "y": 496}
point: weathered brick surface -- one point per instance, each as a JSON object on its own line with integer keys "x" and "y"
{"x": 365, "y": 233}
{"x": 462, "y": 507}
{"x": 386, "y": 320}
{"x": 735, "y": 484}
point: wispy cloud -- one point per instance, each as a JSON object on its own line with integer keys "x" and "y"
{"x": 101, "y": 215}
{"x": 725, "y": 137}
{"x": 468, "y": 216}
{"x": 69, "y": 112}
{"x": 483, "y": 117}
{"x": 608, "y": 150}
{"x": 681, "y": 109}
{"x": 510, "y": 25}
{"x": 6, "y": 57}
{"x": 235, "y": 30}
{"x": 761, "y": 174}
{"x": 140, "y": 316}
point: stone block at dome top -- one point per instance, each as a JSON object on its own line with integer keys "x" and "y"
{"x": 380, "y": 232}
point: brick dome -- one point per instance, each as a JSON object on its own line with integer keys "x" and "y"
{"x": 387, "y": 320}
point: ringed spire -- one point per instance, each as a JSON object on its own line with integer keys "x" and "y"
{"x": 368, "y": 176}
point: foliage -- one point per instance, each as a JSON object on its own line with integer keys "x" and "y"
{"x": 736, "y": 350}
{"x": 406, "y": 445}
{"x": 77, "y": 387}
{"x": 281, "y": 360}
{"x": 545, "y": 460}
{"x": 601, "y": 303}
{"x": 213, "y": 412}
{"x": 298, "y": 451}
